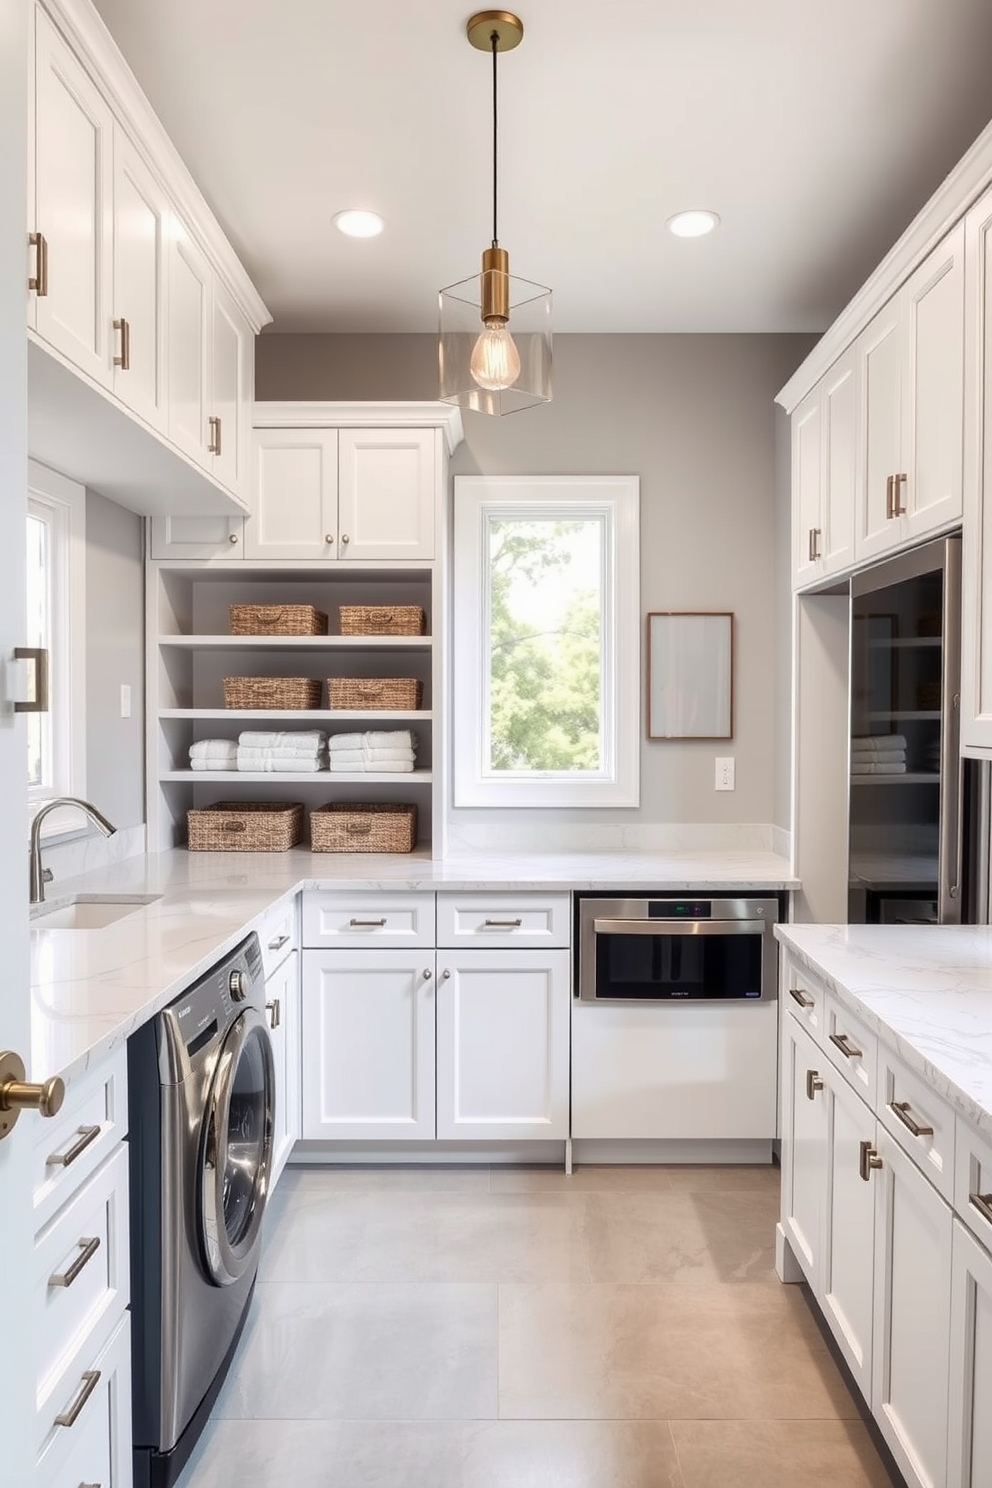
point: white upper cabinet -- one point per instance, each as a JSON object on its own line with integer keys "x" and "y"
{"x": 824, "y": 475}
{"x": 189, "y": 331}
{"x": 231, "y": 388}
{"x": 140, "y": 219}
{"x": 976, "y": 548}
{"x": 70, "y": 208}
{"x": 879, "y": 364}
{"x": 294, "y": 501}
{"x": 386, "y": 493}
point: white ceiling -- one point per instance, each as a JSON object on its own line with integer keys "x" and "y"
{"x": 816, "y": 128}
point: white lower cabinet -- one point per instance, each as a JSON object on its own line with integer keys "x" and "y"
{"x": 282, "y": 1000}
{"x": 368, "y": 1045}
{"x": 502, "y": 1044}
{"x": 847, "y": 1280}
{"x": 89, "y": 1441}
{"x": 969, "y": 1439}
{"x": 804, "y": 1145}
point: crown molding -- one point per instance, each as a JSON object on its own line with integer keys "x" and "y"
{"x": 84, "y": 30}
{"x": 956, "y": 193}
{"x": 362, "y": 416}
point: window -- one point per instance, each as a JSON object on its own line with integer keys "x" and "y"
{"x": 56, "y": 740}
{"x": 546, "y": 641}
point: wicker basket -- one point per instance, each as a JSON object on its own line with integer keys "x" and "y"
{"x": 276, "y": 620}
{"x": 381, "y": 620}
{"x": 361, "y": 693}
{"x": 245, "y": 826}
{"x": 345, "y": 826}
{"x": 271, "y": 692}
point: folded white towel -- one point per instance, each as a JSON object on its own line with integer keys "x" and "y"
{"x": 386, "y": 754}
{"x": 878, "y": 741}
{"x": 390, "y": 739}
{"x": 383, "y": 767}
{"x": 344, "y": 741}
{"x": 210, "y": 764}
{"x": 213, "y": 749}
{"x": 286, "y": 754}
{"x": 255, "y": 766}
{"x": 881, "y": 757}
{"x": 307, "y": 741}
{"x": 858, "y": 769}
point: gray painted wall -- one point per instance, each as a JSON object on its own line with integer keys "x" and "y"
{"x": 694, "y": 417}
{"x": 114, "y": 654}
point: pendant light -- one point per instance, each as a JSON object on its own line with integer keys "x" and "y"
{"x": 494, "y": 344}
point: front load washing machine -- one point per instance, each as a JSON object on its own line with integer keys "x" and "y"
{"x": 200, "y": 1106}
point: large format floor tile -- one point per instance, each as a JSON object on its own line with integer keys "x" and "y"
{"x": 777, "y": 1454}
{"x": 686, "y": 1237}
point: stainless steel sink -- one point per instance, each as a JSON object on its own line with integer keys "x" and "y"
{"x": 89, "y": 912}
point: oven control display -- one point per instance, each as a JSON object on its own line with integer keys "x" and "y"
{"x": 679, "y": 909}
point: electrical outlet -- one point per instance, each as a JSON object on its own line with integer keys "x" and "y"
{"x": 125, "y": 700}
{"x": 725, "y": 772}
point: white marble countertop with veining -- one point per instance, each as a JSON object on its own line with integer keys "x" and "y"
{"x": 92, "y": 988}
{"x": 926, "y": 990}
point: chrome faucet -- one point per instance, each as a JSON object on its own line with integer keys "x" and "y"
{"x": 39, "y": 879}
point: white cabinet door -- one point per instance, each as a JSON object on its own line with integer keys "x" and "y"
{"x": 933, "y": 405}
{"x": 190, "y": 285}
{"x": 387, "y": 493}
{"x": 198, "y": 537}
{"x": 804, "y": 1146}
{"x": 880, "y": 352}
{"x": 912, "y": 1304}
{"x": 846, "y": 1282}
{"x": 231, "y": 355}
{"x": 282, "y": 996}
{"x": 807, "y": 487}
{"x": 976, "y": 550}
{"x": 72, "y": 206}
{"x": 839, "y": 425}
{"x": 368, "y": 1045}
{"x": 502, "y": 1045}
{"x": 140, "y": 214}
{"x": 294, "y": 500}
{"x": 969, "y": 1442}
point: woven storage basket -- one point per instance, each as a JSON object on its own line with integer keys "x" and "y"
{"x": 358, "y": 693}
{"x": 245, "y": 826}
{"x": 271, "y": 692}
{"x": 291, "y": 619}
{"x": 345, "y": 826}
{"x": 381, "y": 620}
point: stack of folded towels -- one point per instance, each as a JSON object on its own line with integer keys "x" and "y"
{"x": 389, "y": 753}
{"x": 878, "y": 754}
{"x": 261, "y": 753}
{"x": 214, "y": 754}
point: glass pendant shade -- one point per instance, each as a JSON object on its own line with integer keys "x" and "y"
{"x": 495, "y": 362}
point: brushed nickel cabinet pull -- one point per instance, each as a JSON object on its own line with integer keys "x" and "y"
{"x": 90, "y": 1380}
{"x": 38, "y": 656}
{"x": 328, "y": 538}
{"x": 233, "y": 538}
{"x": 814, "y": 537}
{"x": 39, "y": 283}
{"x": 868, "y": 1158}
{"x": 901, "y": 1109}
{"x": 813, "y": 1084}
{"x": 845, "y": 1046}
{"x": 345, "y": 538}
{"x": 809, "y": 545}
{"x": 278, "y": 943}
{"x": 87, "y": 1134}
{"x": 274, "y": 1009}
{"x": 983, "y": 1203}
{"x": 213, "y": 448}
{"x": 888, "y": 498}
{"x": 88, "y": 1249}
{"x": 803, "y": 998}
{"x": 898, "y": 510}
{"x": 124, "y": 360}
{"x": 367, "y": 924}
{"x": 503, "y": 924}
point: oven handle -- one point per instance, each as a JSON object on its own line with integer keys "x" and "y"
{"x": 685, "y": 927}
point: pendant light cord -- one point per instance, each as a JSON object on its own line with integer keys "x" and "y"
{"x": 494, "y": 38}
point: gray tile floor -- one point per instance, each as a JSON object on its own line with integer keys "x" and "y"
{"x": 440, "y": 1328}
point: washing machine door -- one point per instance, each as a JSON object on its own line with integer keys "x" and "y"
{"x": 236, "y": 1150}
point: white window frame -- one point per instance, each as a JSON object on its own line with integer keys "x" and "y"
{"x": 614, "y": 499}
{"x": 63, "y": 503}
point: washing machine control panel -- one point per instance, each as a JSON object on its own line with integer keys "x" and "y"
{"x": 237, "y": 985}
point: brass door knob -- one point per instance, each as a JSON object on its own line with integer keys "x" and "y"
{"x": 16, "y": 1095}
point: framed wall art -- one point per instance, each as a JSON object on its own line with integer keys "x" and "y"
{"x": 690, "y": 675}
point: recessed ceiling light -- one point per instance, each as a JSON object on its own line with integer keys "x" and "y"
{"x": 693, "y": 224}
{"x": 358, "y": 224}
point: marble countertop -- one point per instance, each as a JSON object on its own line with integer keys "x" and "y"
{"x": 926, "y": 990}
{"x": 92, "y": 988}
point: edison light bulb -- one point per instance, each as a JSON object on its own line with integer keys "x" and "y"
{"x": 495, "y": 361}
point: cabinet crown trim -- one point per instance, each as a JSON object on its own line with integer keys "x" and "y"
{"x": 317, "y": 415}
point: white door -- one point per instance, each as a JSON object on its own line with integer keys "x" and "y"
{"x": 17, "y": 1394}
{"x": 294, "y": 500}
{"x": 976, "y": 554}
{"x": 807, "y": 488}
{"x": 849, "y": 1227}
{"x": 879, "y": 349}
{"x": 368, "y": 1046}
{"x": 282, "y": 997}
{"x": 387, "y": 493}
{"x": 912, "y": 1305}
{"x": 804, "y": 1145}
{"x": 140, "y": 214}
{"x": 231, "y": 347}
{"x": 502, "y": 1045}
{"x": 188, "y": 343}
{"x": 933, "y": 398}
{"x": 198, "y": 537}
{"x": 969, "y": 1441}
{"x": 72, "y": 203}
{"x": 840, "y": 467}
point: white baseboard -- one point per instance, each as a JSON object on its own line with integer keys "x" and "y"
{"x": 530, "y": 1154}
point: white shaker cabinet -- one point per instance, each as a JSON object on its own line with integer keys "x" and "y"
{"x": 502, "y": 1044}
{"x": 294, "y": 499}
{"x": 969, "y": 1441}
{"x": 282, "y": 1007}
{"x": 138, "y": 326}
{"x": 846, "y": 1277}
{"x": 824, "y": 474}
{"x": 368, "y": 1045}
{"x": 387, "y": 483}
{"x": 188, "y": 342}
{"x": 70, "y": 196}
{"x": 804, "y": 1145}
{"x": 200, "y": 538}
{"x": 230, "y": 391}
{"x": 976, "y": 550}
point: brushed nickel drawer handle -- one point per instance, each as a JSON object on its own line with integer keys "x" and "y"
{"x": 89, "y": 1247}
{"x": 278, "y": 943}
{"x": 503, "y": 924}
{"x": 367, "y": 924}
{"x": 124, "y": 360}
{"x": 87, "y": 1134}
{"x": 39, "y": 283}
{"x": 813, "y": 1084}
{"x": 983, "y": 1203}
{"x": 843, "y": 1043}
{"x": 868, "y": 1159}
{"x": 888, "y": 498}
{"x": 90, "y": 1380}
{"x": 803, "y": 998}
{"x": 901, "y": 1109}
{"x": 898, "y": 510}
{"x": 274, "y": 1008}
{"x": 213, "y": 446}
{"x": 38, "y": 656}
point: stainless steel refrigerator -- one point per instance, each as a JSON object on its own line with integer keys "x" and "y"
{"x": 917, "y": 813}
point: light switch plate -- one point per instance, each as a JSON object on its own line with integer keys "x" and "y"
{"x": 125, "y": 700}
{"x": 725, "y": 772}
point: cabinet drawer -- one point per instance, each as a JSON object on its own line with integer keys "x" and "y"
{"x": 851, "y": 1046}
{"x": 503, "y": 919}
{"x": 81, "y": 1266}
{"x": 277, "y": 934}
{"x": 973, "y": 1180}
{"x": 803, "y": 997}
{"x": 92, "y": 1443}
{"x": 71, "y": 1146}
{"x": 920, "y": 1121}
{"x": 384, "y": 921}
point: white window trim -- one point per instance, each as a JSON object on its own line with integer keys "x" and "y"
{"x": 616, "y": 499}
{"x": 66, "y": 500}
